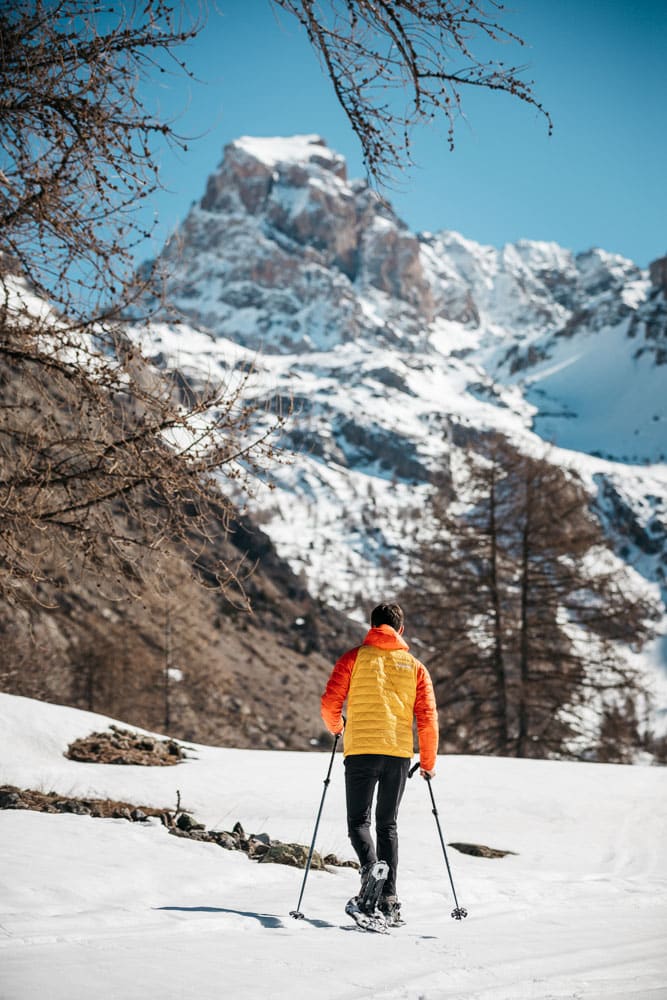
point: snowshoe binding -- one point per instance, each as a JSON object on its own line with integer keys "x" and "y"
{"x": 390, "y": 908}
{"x": 364, "y": 908}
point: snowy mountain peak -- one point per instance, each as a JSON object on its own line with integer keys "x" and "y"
{"x": 399, "y": 348}
{"x": 303, "y": 149}
{"x": 282, "y": 249}
{"x": 284, "y": 255}
{"x": 262, "y": 172}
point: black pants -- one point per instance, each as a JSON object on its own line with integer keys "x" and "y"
{"x": 362, "y": 773}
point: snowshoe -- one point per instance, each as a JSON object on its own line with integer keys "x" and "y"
{"x": 364, "y": 908}
{"x": 374, "y": 922}
{"x": 390, "y": 908}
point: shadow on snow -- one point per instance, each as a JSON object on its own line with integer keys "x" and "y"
{"x": 268, "y": 920}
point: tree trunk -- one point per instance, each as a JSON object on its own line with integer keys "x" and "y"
{"x": 498, "y": 659}
{"x": 524, "y": 696}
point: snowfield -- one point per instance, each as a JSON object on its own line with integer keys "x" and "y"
{"x": 112, "y": 909}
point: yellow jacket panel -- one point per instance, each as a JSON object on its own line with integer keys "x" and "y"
{"x": 386, "y": 687}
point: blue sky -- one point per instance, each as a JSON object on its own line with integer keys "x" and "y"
{"x": 599, "y": 66}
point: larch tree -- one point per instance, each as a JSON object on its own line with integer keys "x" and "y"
{"x": 528, "y": 616}
{"x": 101, "y": 455}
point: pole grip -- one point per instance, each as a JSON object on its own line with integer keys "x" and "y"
{"x": 415, "y": 767}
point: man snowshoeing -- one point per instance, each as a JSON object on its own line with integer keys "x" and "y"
{"x": 385, "y": 687}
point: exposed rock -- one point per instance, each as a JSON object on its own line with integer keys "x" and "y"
{"x": 187, "y": 823}
{"x": 649, "y": 323}
{"x": 392, "y": 379}
{"x": 257, "y": 848}
{"x": 657, "y": 270}
{"x": 323, "y": 217}
{"x": 650, "y": 537}
{"x": 280, "y": 235}
{"x": 10, "y": 800}
{"x": 295, "y": 855}
{"x": 481, "y": 851}
{"x": 520, "y": 360}
{"x": 50, "y": 802}
{"x": 225, "y": 840}
{"x": 201, "y": 835}
{"x": 123, "y": 746}
{"x": 371, "y": 443}
{"x": 391, "y": 261}
{"x": 76, "y": 807}
{"x": 334, "y": 861}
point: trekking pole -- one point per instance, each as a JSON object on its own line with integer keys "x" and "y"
{"x": 297, "y": 914}
{"x": 459, "y": 912}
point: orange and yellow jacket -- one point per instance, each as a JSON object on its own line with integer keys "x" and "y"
{"x": 385, "y": 687}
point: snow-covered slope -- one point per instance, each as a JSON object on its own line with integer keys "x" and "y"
{"x": 400, "y": 349}
{"x": 106, "y": 908}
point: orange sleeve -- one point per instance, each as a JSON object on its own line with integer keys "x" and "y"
{"x": 426, "y": 713}
{"x": 336, "y": 692}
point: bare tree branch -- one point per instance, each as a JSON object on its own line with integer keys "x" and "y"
{"x": 78, "y": 147}
{"x": 377, "y": 52}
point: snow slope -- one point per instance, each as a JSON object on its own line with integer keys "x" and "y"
{"x": 108, "y": 909}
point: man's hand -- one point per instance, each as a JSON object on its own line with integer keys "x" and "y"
{"x": 427, "y": 774}
{"x": 342, "y": 727}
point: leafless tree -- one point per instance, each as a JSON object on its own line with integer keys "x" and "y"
{"x": 383, "y": 56}
{"x": 526, "y": 612}
{"x": 104, "y": 462}
{"x": 100, "y": 454}
{"x": 147, "y": 657}
{"x": 78, "y": 145}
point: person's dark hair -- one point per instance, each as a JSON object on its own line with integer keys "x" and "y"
{"x": 387, "y": 614}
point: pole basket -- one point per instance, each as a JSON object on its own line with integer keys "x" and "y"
{"x": 458, "y": 914}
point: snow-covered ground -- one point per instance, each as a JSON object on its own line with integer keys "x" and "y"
{"x": 109, "y": 909}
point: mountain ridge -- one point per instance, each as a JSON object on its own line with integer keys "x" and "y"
{"x": 401, "y": 349}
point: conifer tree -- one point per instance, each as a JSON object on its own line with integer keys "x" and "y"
{"x": 525, "y": 611}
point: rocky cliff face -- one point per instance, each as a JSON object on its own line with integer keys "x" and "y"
{"x": 279, "y": 244}
{"x": 648, "y": 326}
{"x": 400, "y": 348}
